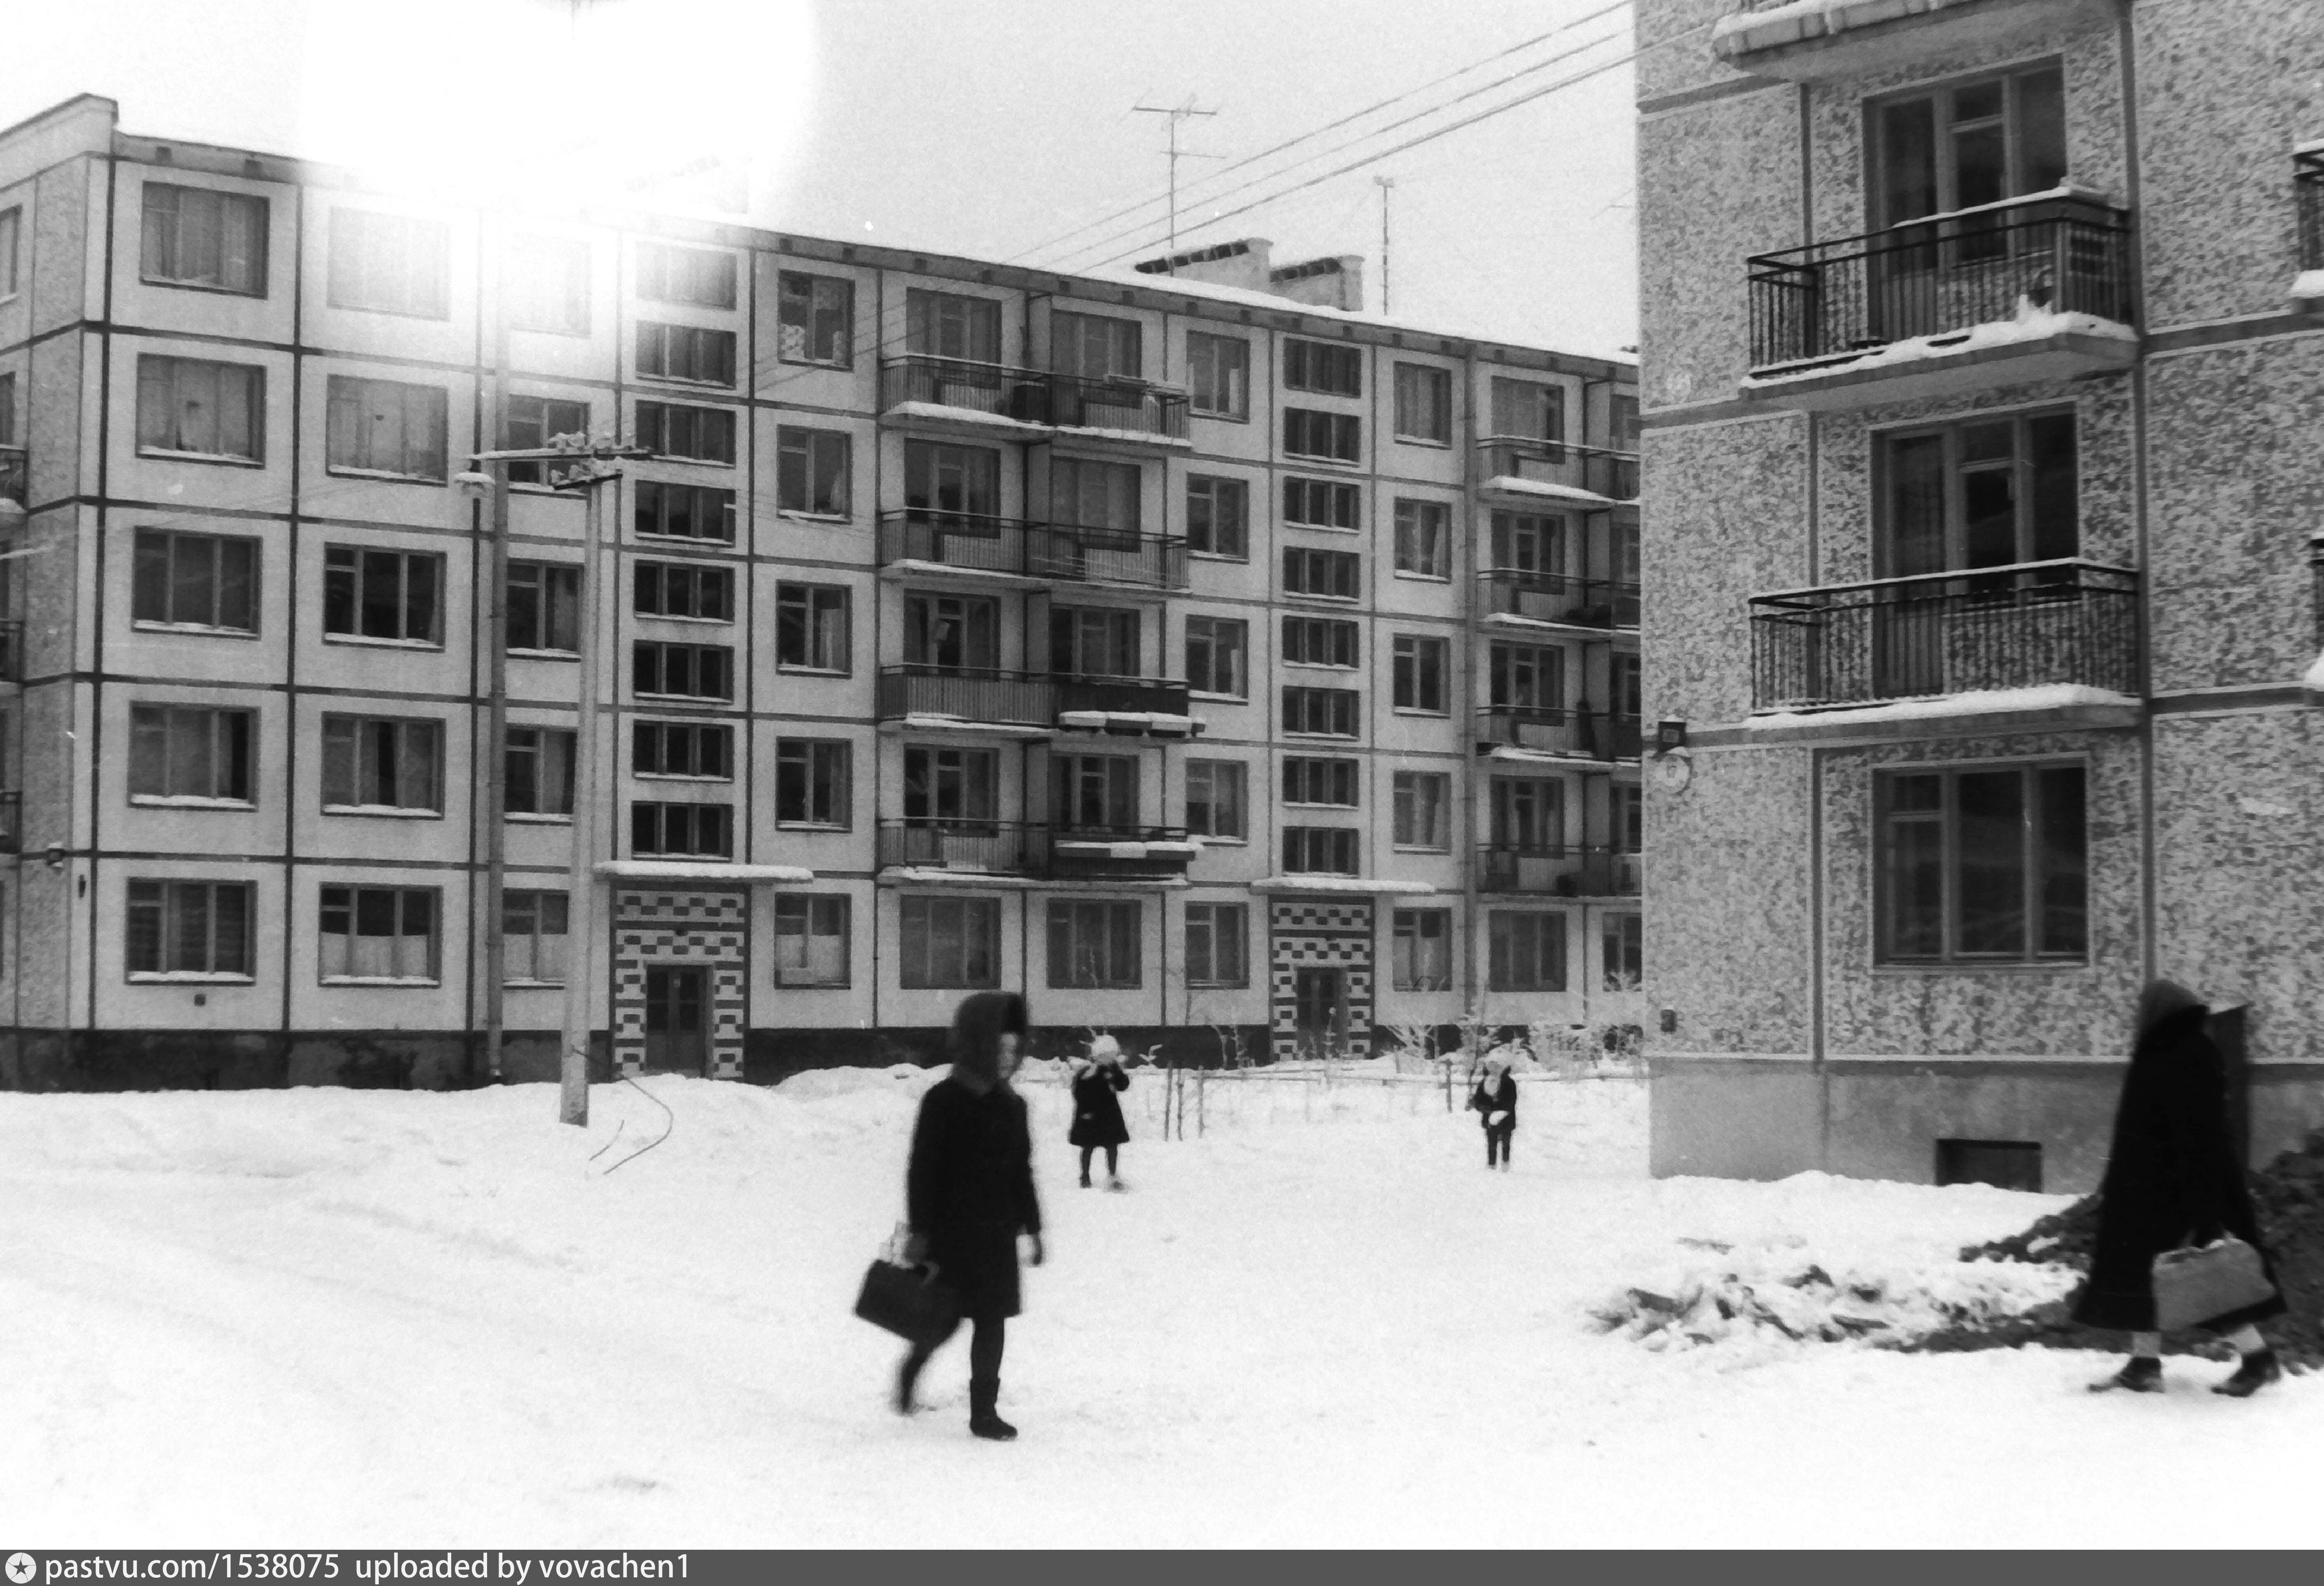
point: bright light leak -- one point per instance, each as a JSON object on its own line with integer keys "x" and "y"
{"x": 663, "y": 104}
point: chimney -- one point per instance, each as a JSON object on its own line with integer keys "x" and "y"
{"x": 1332, "y": 282}
{"x": 1242, "y": 264}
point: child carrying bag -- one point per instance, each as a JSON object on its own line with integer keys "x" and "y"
{"x": 2195, "y": 1284}
{"x": 907, "y": 1300}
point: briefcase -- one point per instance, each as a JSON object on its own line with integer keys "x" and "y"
{"x": 2196, "y": 1284}
{"x": 908, "y": 1301}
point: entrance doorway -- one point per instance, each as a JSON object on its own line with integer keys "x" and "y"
{"x": 677, "y": 1032}
{"x": 1319, "y": 1011}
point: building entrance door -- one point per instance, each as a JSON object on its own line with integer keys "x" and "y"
{"x": 677, "y": 1032}
{"x": 1319, "y": 1011}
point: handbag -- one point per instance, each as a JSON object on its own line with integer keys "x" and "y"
{"x": 2195, "y": 1284}
{"x": 906, "y": 1299}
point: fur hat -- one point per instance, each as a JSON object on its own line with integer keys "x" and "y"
{"x": 977, "y": 1026}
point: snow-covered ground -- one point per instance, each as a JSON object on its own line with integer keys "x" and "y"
{"x": 335, "y": 1318}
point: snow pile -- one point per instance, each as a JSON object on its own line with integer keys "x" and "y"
{"x": 2029, "y": 323}
{"x": 2314, "y": 681}
{"x": 2308, "y": 289}
{"x": 1974, "y": 702}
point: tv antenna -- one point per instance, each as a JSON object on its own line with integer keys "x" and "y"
{"x": 1176, "y": 113}
{"x": 1386, "y": 184}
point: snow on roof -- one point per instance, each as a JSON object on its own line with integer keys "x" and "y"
{"x": 2029, "y": 325}
{"x": 922, "y": 566}
{"x": 953, "y": 415}
{"x": 1766, "y": 27}
{"x": 1977, "y": 701}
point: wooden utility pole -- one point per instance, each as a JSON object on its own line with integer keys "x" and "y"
{"x": 1176, "y": 113}
{"x": 497, "y": 636}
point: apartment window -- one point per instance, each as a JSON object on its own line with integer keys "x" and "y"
{"x": 1526, "y": 409}
{"x": 385, "y": 427}
{"x": 1094, "y": 944}
{"x": 682, "y": 749}
{"x": 703, "y": 277}
{"x": 949, "y": 786}
{"x": 1981, "y": 494}
{"x": 1089, "y": 494}
{"x": 1094, "y": 346}
{"x": 1629, "y": 819}
{"x": 390, "y": 595}
{"x": 1319, "y": 366}
{"x": 544, "y": 607}
{"x": 948, "y": 943}
{"x": 534, "y": 421}
{"x": 685, "y": 831}
{"x": 1218, "y": 374}
{"x": 189, "y": 751}
{"x": 673, "y": 429}
{"x": 812, "y": 469}
{"x": 382, "y": 762}
{"x": 1320, "y": 781}
{"x": 199, "y": 236}
{"x": 1623, "y": 942}
{"x": 811, "y": 628}
{"x": 547, "y": 280}
{"x": 1333, "y": 575}
{"x": 1094, "y": 792}
{"x": 1528, "y": 813}
{"x": 8, "y": 409}
{"x": 1966, "y": 144}
{"x": 1216, "y": 801}
{"x": 379, "y": 934}
{"x": 1523, "y": 542}
{"x": 1307, "y": 433}
{"x": 948, "y": 479}
{"x": 816, "y": 320}
{"x": 1424, "y": 403}
{"x": 811, "y": 782}
{"x": 686, "y": 352}
{"x": 1322, "y": 503}
{"x": 1216, "y": 937}
{"x": 1424, "y": 538}
{"x": 10, "y": 222}
{"x": 1325, "y": 712}
{"x": 190, "y": 408}
{"x": 684, "y": 512}
{"x": 1217, "y": 658}
{"x": 534, "y": 932}
{"x": 1093, "y": 641}
{"x": 692, "y": 671}
{"x": 1622, "y": 423}
{"x": 958, "y": 633}
{"x": 683, "y": 589}
{"x": 389, "y": 264}
{"x": 1527, "y": 951}
{"x": 949, "y": 325}
{"x": 1987, "y": 865}
{"x": 1319, "y": 851}
{"x": 194, "y": 581}
{"x": 1525, "y": 677}
{"x": 1424, "y": 805}
{"x": 811, "y": 938}
{"x": 189, "y": 928}
{"x": 1218, "y": 516}
{"x": 538, "y": 770}
{"x": 1420, "y": 949}
{"x": 1419, "y": 671}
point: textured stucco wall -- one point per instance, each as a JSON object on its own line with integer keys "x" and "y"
{"x": 2066, "y": 1011}
{"x": 1674, "y": 44}
{"x": 2235, "y": 433}
{"x": 1887, "y": 1121}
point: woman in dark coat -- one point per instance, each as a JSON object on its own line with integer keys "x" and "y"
{"x": 1097, "y": 1114}
{"x": 2171, "y": 1178}
{"x": 1495, "y": 1097}
{"x": 969, "y": 1193}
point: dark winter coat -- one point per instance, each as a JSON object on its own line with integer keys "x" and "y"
{"x": 969, "y": 1191}
{"x": 1489, "y": 1098}
{"x": 2173, "y": 1173}
{"x": 1097, "y": 1115}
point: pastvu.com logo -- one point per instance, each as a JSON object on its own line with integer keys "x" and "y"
{"x": 22, "y": 1568}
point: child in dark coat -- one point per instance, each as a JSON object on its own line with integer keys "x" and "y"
{"x": 1495, "y": 1099}
{"x": 1097, "y": 1114}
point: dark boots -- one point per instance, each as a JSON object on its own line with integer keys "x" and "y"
{"x": 2139, "y": 1374}
{"x": 983, "y": 1395}
{"x": 2259, "y": 1368}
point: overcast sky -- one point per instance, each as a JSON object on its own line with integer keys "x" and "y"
{"x": 984, "y": 127}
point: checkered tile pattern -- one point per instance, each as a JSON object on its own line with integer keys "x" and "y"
{"x": 655, "y": 928}
{"x": 1308, "y": 933}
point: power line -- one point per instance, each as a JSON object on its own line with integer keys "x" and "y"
{"x": 1329, "y": 126}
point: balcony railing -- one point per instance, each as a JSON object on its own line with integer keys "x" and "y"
{"x": 2057, "y": 252}
{"x": 14, "y": 479}
{"x": 1025, "y": 699}
{"x": 2023, "y": 626}
{"x": 11, "y": 821}
{"x": 1035, "y": 849}
{"x": 1553, "y": 597}
{"x": 977, "y": 541}
{"x": 1068, "y": 553}
{"x": 1553, "y": 730}
{"x": 1562, "y": 871}
{"x": 1034, "y": 396}
{"x": 2307, "y": 193}
{"x": 1593, "y": 468}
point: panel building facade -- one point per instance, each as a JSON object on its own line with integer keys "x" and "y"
{"x": 1220, "y": 666}
{"x": 1981, "y": 379}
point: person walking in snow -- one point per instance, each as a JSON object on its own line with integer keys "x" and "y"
{"x": 1097, "y": 1112}
{"x": 969, "y": 1193}
{"x": 1495, "y": 1101}
{"x": 2172, "y": 1176}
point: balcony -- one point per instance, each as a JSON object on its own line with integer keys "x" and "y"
{"x": 1036, "y": 850}
{"x": 961, "y": 395}
{"x": 1063, "y": 553}
{"x": 1117, "y": 409}
{"x": 1553, "y": 597}
{"x": 2034, "y": 287}
{"x": 1559, "y": 871}
{"x": 2308, "y": 200}
{"x": 1808, "y": 40}
{"x": 2053, "y": 642}
{"x": 1552, "y": 731}
{"x": 1523, "y": 471}
{"x": 11, "y": 821}
{"x": 1033, "y": 703}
